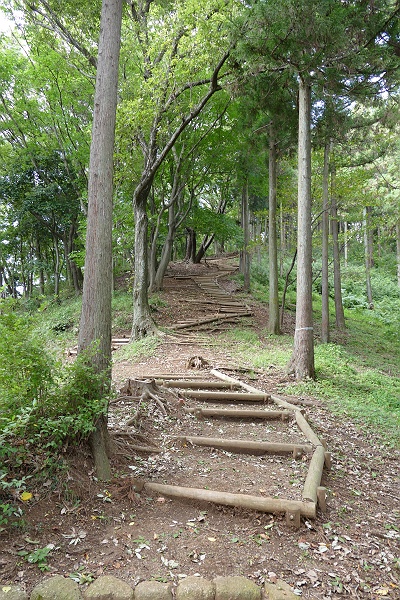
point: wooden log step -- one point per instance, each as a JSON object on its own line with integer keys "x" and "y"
{"x": 219, "y": 317}
{"x": 172, "y": 376}
{"x": 229, "y": 396}
{"x": 235, "y": 413}
{"x": 245, "y": 446}
{"x": 314, "y": 475}
{"x": 198, "y": 384}
{"x": 258, "y": 503}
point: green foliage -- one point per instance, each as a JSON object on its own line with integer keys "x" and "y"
{"x": 138, "y": 349}
{"x": 38, "y": 557}
{"x": 44, "y": 406}
{"x": 25, "y": 369}
{"x": 366, "y": 395}
{"x": 207, "y": 222}
{"x": 386, "y": 296}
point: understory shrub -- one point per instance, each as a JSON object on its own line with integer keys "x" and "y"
{"x": 44, "y": 406}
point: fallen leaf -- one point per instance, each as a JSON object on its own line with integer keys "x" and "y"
{"x": 25, "y": 496}
{"x": 382, "y": 591}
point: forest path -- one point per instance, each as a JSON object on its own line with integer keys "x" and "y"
{"x": 351, "y": 549}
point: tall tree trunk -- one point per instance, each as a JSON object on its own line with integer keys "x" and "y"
{"x": 282, "y": 238}
{"x": 190, "y": 244}
{"x": 56, "y": 266}
{"x": 273, "y": 323}
{"x": 166, "y": 251}
{"x": 204, "y": 246}
{"x": 398, "y": 251}
{"x": 245, "y": 254}
{"x": 337, "y": 278}
{"x": 143, "y": 324}
{"x": 302, "y": 361}
{"x": 368, "y": 255}
{"x": 346, "y": 243}
{"x": 325, "y": 248}
{"x": 95, "y": 323}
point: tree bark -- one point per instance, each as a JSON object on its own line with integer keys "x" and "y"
{"x": 245, "y": 262}
{"x": 302, "y": 361}
{"x": 273, "y": 323}
{"x": 143, "y": 324}
{"x": 166, "y": 251}
{"x": 204, "y": 246}
{"x": 368, "y": 255}
{"x": 337, "y": 278}
{"x": 190, "y": 244}
{"x": 56, "y": 265}
{"x": 95, "y": 323}
{"x": 398, "y": 251}
{"x": 325, "y": 248}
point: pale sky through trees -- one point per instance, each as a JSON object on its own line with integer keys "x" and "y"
{"x": 5, "y": 24}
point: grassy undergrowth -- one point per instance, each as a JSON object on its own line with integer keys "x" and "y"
{"x": 358, "y": 378}
{"x": 358, "y": 374}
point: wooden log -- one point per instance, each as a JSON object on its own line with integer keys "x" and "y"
{"x": 268, "y": 505}
{"x": 328, "y": 461}
{"x": 321, "y": 495}
{"x": 247, "y": 446}
{"x": 218, "y": 317}
{"x": 240, "y": 413}
{"x": 280, "y": 402}
{"x": 228, "y": 397}
{"x": 306, "y": 429}
{"x": 198, "y": 384}
{"x": 172, "y": 376}
{"x": 232, "y": 380}
{"x": 293, "y": 518}
{"x": 314, "y": 475}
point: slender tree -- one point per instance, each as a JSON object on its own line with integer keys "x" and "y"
{"x": 95, "y": 323}
{"x": 325, "y": 247}
{"x": 273, "y": 323}
{"x": 302, "y": 361}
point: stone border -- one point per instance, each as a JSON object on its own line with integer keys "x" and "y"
{"x": 109, "y": 587}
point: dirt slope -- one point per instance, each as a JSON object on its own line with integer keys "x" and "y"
{"x": 352, "y": 550}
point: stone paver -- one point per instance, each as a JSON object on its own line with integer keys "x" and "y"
{"x": 153, "y": 590}
{"x": 236, "y": 588}
{"x": 109, "y": 587}
{"x": 279, "y": 591}
{"x": 56, "y": 588}
{"x": 195, "y": 588}
{"x": 12, "y": 592}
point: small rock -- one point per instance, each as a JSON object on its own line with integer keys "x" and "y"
{"x": 279, "y": 591}
{"x": 12, "y": 592}
{"x": 236, "y": 588}
{"x": 153, "y": 590}
{"x": 195, "y": 588}
{"x": 109, "y": 588}
{"x": 56, "y": 588}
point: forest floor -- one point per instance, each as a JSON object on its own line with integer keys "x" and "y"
{"x": 84, "y": 528}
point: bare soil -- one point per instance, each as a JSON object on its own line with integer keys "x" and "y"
{"x": 96, "y": 528}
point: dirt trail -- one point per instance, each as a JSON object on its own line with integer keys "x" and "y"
{"x": 350, "y": 550}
